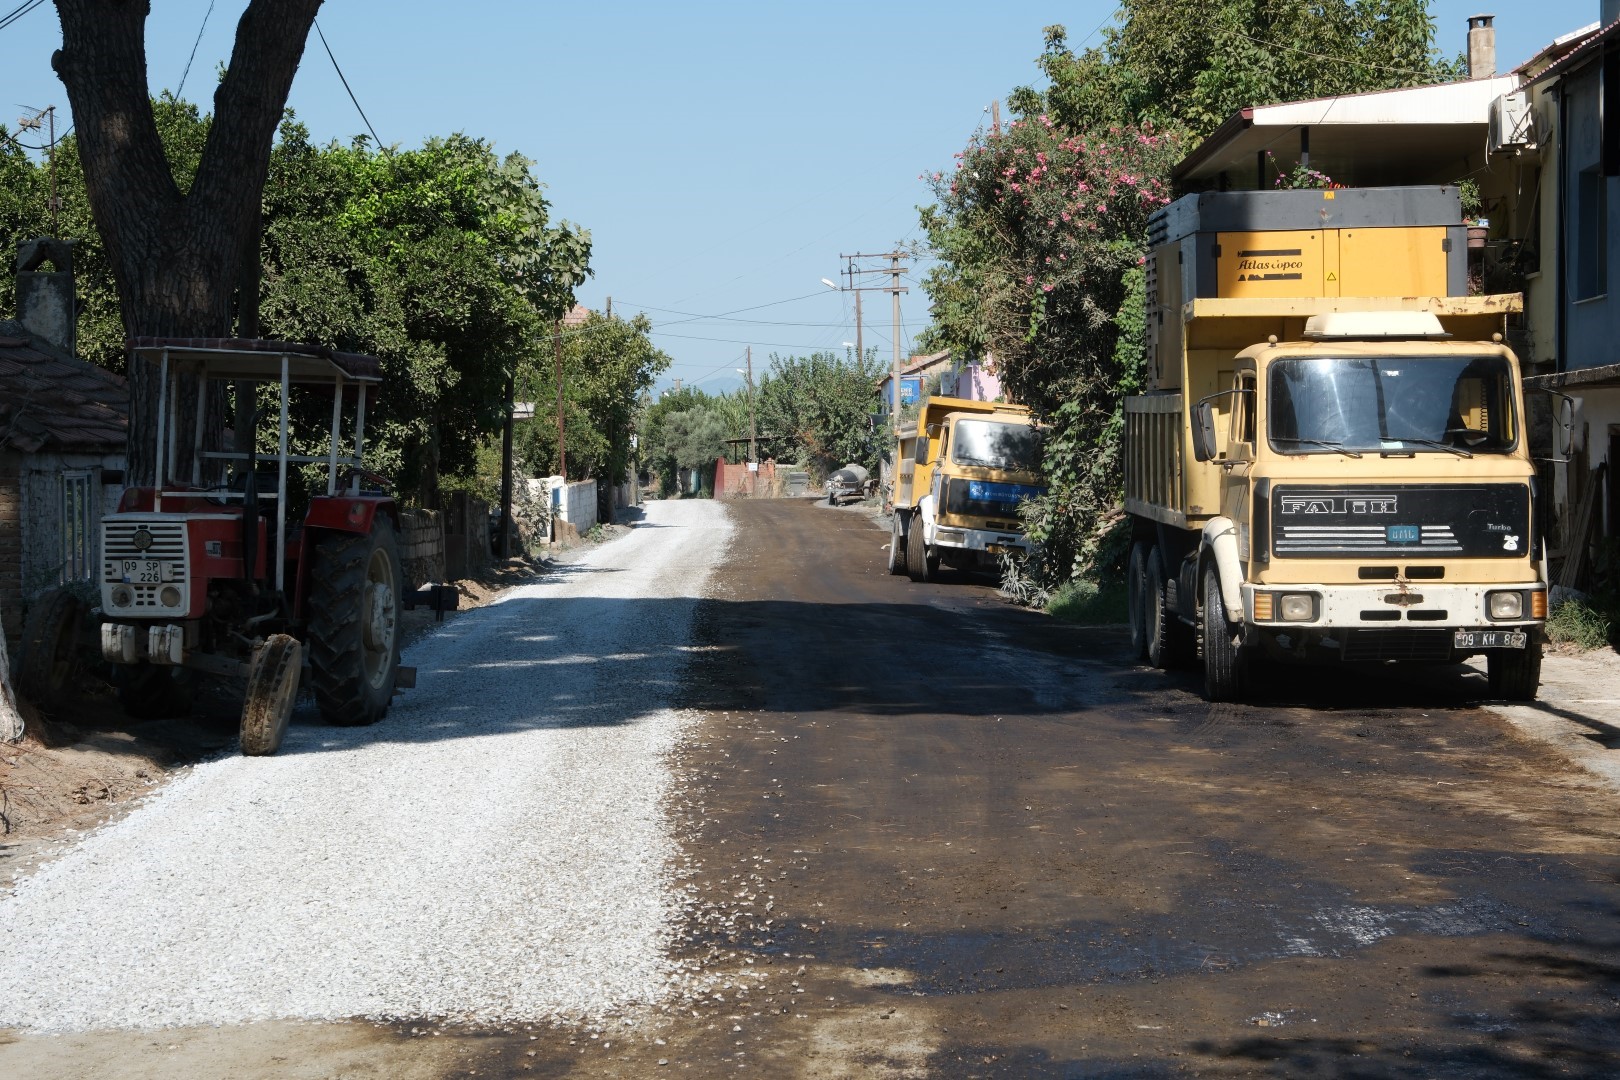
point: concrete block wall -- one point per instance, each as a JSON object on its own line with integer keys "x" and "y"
{"x": 573, "y": 503}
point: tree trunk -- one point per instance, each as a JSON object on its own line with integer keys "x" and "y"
{"x": 175, "y": 258}
{"x": 11, "y": 721}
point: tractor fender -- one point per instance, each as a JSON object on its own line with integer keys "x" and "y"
{"x": 1219, "y": 545}
{"x": 335, "y": 513}
{"x": 348, "y": 513}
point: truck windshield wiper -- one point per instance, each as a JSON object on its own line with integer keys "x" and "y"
{"x": 1459, "y": 451}
{"x": 1338, "y": 447}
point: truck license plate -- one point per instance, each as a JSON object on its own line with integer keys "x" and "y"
{"x": 143, "y": 571}
{"x": 1491, "y": 639}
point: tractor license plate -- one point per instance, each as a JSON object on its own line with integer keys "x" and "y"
{"x": 1491, "y": 639}
{"x": 143, "y": 571}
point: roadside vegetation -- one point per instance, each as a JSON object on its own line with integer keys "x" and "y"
{"x": 1040, "y": 227}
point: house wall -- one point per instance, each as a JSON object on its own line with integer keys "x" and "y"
{"x": 1533, "y": 217}
{"x": 43, "y": 516}
{"x": 11, "y": 546}
{"x": 1589, "y": 327}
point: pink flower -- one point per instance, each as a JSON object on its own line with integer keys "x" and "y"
{"x": 1046, "y": 288}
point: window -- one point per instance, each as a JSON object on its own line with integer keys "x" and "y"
{"x": 1243, "y": 422}
{"x": 1431, "y": 404}
{"x": 78, "y": 527}
{"x": 1591, "y": 235}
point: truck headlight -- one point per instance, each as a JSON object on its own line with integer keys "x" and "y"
{"x": 1505, "y": 605}
{"x": 1296, "y": 607}
{"x": 122, "y": 596}
{"x": 170, "y": 596}
{"x": 949, "y": 536}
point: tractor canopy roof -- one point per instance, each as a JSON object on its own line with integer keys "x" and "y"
{"x": 257, "y": 359}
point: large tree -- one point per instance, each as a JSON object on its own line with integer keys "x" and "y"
{"x": 176, "y": 255}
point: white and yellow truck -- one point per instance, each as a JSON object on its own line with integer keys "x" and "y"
{"x": 961, "y": 470}
{"x": 1331, "y": 459}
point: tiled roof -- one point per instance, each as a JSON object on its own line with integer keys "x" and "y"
{"x": 50, "y": 399}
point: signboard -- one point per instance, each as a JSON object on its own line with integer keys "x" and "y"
{"x": 910, "y": 391}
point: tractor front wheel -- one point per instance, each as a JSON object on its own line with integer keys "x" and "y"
{"x": 272, "y": 688}
{"x": 354, "y": 634}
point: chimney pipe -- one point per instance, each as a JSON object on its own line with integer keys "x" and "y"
{"x": 1481, "y": 47}
{"x": 45, "y": 302}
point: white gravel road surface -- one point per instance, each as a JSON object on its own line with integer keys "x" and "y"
{"x": 495, "y": 850}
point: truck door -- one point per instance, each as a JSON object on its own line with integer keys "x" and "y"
{"x": 1239, "y": 457}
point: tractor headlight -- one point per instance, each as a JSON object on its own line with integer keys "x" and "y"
{"x": 1296, "y": 607}
{"x": 169, "y": 597}
{"x": 1505, "y": 605}
{"x": 122, "y": 596}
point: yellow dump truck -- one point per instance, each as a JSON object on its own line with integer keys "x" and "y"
{"x": 961, "y": 469}
{"x": 1331, "y": 461}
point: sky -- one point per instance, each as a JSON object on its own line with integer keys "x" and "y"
{"x": 722, "y": 155}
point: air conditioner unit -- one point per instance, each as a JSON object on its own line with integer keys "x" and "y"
{"x": 1512, "y": 128}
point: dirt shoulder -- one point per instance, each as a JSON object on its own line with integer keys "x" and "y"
{"x": 90, "y": 764}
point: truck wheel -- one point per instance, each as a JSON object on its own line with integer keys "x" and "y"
{"x": 918, "y": 564}
{"x": 1136, "y": 599}
{"x": 50, "y": 645}
{"x": 1167, "y": 643}
{"x": 1515, "y": 673}
{"x": 1225, "y": 674}
{"x": 897, "y": 545}
{"x": 153, "y": 692}
{"x": 272, "y": 688}
{"x": 353, "y": 605}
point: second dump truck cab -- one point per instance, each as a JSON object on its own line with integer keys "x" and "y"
{"x": 1333, "y": 463}
{"x": 960, "y": 472}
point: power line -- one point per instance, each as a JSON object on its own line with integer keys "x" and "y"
{"x": 1336, "y": 59}
{"x": 345, "y": 83}
{"x": 18, "y": 12}
{"x": 186, "y": 73}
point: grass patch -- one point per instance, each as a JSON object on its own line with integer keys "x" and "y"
{"x": 1087, "y": 603}
{"x": 1578, "y": 623}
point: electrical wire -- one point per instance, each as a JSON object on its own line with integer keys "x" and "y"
{"x": 18, "y": 12}
{"x": 1337, "y": 59}
{"x": 186, "y": 73}
{"x": 345, "y": 83}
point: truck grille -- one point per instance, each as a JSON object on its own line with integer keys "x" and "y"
{"x": 1402, "y": 521}
{"x": 168, "y": 539}
{"x": 1397, "y": 645}
{"x": 167, "y": 545}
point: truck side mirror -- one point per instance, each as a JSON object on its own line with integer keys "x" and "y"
{"x": 1203, "y": 431}
{"x": 1571, "y": 427}
{"x": 921, "y": 456}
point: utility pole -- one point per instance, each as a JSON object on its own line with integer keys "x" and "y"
{"x": 562, "y": 453}
{"x": 753, "y": 451}
{"x": 855, "y": 272}
{"x": 995, "y": 116}
{"x": 506, "y": 465}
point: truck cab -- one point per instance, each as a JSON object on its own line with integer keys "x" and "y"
{"x": 1333, "y": 477}
{"x": 962, "y": 470}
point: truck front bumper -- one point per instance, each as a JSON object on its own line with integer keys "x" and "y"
{"x": 1422, "y": 621}
{"x": 986, "y": 540}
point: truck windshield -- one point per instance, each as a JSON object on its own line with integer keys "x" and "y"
{"x": 1013, "y": 447}
{"x": 1392, "y": 404}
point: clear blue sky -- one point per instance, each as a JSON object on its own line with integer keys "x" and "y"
{"x": 723, "y": 155}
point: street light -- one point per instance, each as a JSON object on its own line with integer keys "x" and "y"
{"x": 830, "y": 283}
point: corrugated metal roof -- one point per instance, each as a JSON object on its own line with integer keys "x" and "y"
{"x": 50, "y": 399}
{"x": 1580, "y": 53}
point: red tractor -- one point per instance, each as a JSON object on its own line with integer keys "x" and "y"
{"x": 244, "y": 569}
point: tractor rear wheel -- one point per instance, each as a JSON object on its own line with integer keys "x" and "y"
{"x": 272, "y": 688}
{"x": 50, "y": 645}
{"x": 354, "y": 638}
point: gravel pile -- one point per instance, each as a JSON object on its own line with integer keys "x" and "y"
{"x": 495, "y": 850}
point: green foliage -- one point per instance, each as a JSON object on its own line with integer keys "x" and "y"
{"x": 441, "y": 260}
{"x": 1088, "y": 603}
{"x": 609, "y": 365}
{"x": 1040, "y": 228}
{"x": 1579, "y": 622}
{"x": 695, "y": 437}
{"x": 817, "y": 410}
{"x": 664, "y": 449}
